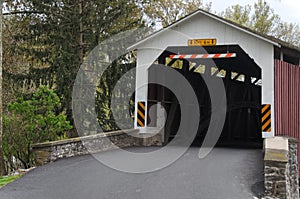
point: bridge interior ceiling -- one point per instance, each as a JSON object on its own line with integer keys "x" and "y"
{"x": 241, "y": 77}
{"x": 242, "y": 63}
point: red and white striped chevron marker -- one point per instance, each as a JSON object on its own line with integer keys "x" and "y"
{"x": 204, "y": 56}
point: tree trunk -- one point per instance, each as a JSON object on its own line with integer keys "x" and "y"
{"x": 80, "y": 35}
{"x": 2, "y": 168}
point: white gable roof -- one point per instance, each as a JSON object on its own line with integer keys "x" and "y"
{"x": 215, "y": 17}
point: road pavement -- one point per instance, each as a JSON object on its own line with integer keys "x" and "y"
{"x": 224, "y": 174}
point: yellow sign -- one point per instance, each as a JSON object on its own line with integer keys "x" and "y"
{"x": 202, "y": 42}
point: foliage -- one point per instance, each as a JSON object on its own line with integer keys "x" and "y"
{"x": 104, "y": 94}
{"x": 31, "y": 121}
{"x": 1, "y": 95}
{"x": 238, "y": 14}
{"x": 289, "y": 32}
{"x": 165, "y": 12}
{"x": 16, "y": 65}
{"x": 46, "y": 41}
{"x": 59, "y": 34}
{"x": 4, "y": 180}
{"x": 264, "y": 20}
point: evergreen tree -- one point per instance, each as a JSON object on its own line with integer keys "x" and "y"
{"x": 2, "y": 169}
{"x": 60, "y": 33}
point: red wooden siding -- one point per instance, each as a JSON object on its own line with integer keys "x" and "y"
{"x": 287, "y": 100}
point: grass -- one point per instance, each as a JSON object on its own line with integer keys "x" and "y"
{"x": 4, "y": 180}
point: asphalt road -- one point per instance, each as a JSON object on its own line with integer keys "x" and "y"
{"x": 224, "y": 174}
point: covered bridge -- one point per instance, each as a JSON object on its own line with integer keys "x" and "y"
{"x": 261, "y": 77}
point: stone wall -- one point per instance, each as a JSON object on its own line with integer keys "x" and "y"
{"x": 293, "y": 174}
{"x": 281, "y": 168}
{"x": 51, "y": 151}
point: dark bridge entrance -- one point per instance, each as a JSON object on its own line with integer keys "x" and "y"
{"x": 242, "y": 79}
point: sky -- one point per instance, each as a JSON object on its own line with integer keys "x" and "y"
{"x": 288, "y": 10}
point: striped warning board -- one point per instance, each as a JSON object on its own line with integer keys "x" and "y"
{"x": 266, "y": 117}
{"x": 204, "y": 56}
{"x": 141, "y": 114}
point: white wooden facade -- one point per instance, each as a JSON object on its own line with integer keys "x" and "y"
{"x": 202, "y": 25}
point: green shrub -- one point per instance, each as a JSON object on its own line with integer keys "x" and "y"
{"x": 31, "y": 121}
